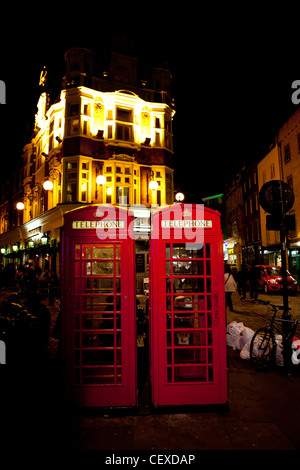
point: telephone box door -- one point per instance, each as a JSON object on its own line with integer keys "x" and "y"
{"x": 188, "y": 330}
{"x": 98, "y": 307}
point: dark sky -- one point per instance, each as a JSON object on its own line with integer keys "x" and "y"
{"x": 232, "y": 86}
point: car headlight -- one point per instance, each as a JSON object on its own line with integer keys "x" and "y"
{"x": 273, "y": 281}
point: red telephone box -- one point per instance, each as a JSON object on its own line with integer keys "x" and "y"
{"x": 187, "y": 318}
{"x": 98, "y": 306}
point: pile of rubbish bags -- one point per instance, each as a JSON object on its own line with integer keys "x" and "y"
{"x": 239, "y": 337}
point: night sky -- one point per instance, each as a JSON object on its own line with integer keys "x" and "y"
{"x": 232, "y": 86}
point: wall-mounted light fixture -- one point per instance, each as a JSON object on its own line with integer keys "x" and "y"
{"x": 20, "y": 205}
{"x": 48, "y": 185}
{"x": 101, "y": 179}
{"x": 44, "y": 240}
{"x": 15, "y": 248}
{"x": 179, "y": 197}
{"x": 53, "y": 175}
{"x": 153, "y": 185}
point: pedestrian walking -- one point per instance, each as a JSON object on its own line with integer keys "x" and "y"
{"x": 52, "y": 285}
{"x": 242, "y": 282}
{"x": 253, "y": 276}
{"x": 230, "y": 287}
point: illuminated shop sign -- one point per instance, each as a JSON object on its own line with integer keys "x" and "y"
{"x": 34, "y": 232}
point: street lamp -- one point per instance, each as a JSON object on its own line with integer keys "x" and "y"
{"x": 101, "y": 179}
{"x": 20, "y": 205}
{"x": 153, "y": 185}
{"x": 179, "y": 197}
{"x": 44, "y": 240}
{"x": 48, "y": 185}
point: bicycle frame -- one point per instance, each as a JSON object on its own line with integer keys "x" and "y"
{"x": 272, "y": 324}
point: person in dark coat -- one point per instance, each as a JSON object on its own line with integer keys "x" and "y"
{"x": 241, "y": 279}
{"x": 253, "y": 277}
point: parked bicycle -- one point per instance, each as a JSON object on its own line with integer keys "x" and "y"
{"x": 263, "y": 345}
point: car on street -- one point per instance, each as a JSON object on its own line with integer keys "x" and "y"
{"x": 271, "y": 280}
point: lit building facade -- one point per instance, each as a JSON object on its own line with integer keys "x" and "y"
{"x": 289, "y": 152}
{"x": 251, "y": 225}
{"x": 234, "y": 222}
{"x": 268, "y": 169}
{"x": 106, "y": 139}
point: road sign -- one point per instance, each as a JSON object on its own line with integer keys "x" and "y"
{"x": 276, "y": 197}
{"x": 273, "y": 222}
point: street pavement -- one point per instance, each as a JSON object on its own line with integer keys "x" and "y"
{"x": 255, "y": 315}
{"x": 263, "y": 412}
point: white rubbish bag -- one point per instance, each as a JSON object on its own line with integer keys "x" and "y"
{"x": 244, "y": 337}
{"x": 233, "y": 331}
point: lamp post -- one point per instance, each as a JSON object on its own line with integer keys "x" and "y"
{"x": 277, "y": 198}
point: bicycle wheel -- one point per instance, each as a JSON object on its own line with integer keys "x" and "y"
{"x": 263, "y": 349}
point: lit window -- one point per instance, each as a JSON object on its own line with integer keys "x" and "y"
{"x": 157, "y": 139}
{"x": 71, "y": 192}
{"x": 74, "y": 109}
{"x": 74, "y": 126}
{"x": 125, "y": 115}
{"x": 109, "y": 132}
{"x": 287, "y": 153}
{"x": 122, "y": 194}
{"x": 71, "y": 181}
{"x": 124, "y": 132}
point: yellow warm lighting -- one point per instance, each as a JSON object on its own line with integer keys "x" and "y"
{"x": 153, "y": 185}
{"x": 83, "y": 187}
{"x": 100, "y": 179}
{"x": 48, "y": 185}
{"x": 20, "y": 206}
{"x": 109, "y": 191}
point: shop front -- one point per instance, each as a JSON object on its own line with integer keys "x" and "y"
{"x": 232, "y": 249}
{"x": 294, "y": 260}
